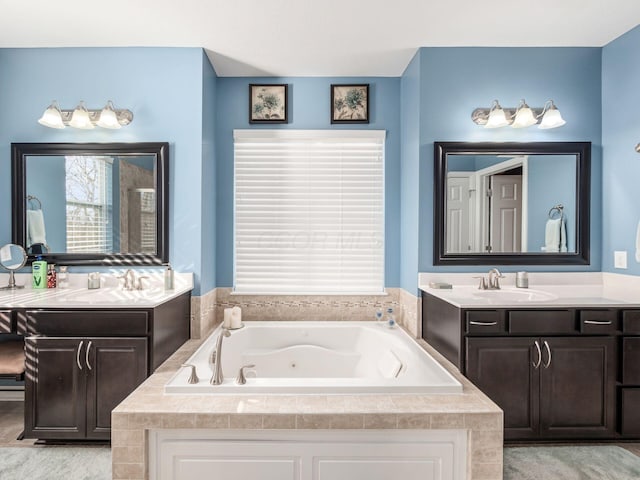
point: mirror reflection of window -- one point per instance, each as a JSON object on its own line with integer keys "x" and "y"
{"x": 89, "y": 196}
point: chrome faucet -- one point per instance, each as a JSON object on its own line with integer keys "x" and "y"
{"x": 129, "y": 280}
{"x": 218, "y": 377}
{"x": 494, "y": 276}
{"x": 492, "y": 282}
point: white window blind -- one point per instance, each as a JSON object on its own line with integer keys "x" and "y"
{"x": 89, "y": 204}
{"x": 309, "y": 211}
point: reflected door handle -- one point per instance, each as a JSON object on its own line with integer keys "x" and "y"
{"x": 78, "y": 354}
{"x": 536, "y": 364}
{"x": 546, "y": 346}
{"x": 86, "y": 356}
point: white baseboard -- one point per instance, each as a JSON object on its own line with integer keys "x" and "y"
{"x": 9, "y": 394}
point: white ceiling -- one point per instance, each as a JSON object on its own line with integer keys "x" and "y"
{"x": 313, "y": 38}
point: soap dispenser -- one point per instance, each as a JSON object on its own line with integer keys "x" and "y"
{"x": 168, "y": 277}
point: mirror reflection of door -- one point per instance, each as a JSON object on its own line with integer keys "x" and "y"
{"x": 505, "y": 213}
{"x": 486, "y": 204}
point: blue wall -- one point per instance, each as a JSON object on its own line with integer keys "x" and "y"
{"x": 164, "y": 89}
{"x": 409, "y": 168}
{"x": 309, "y": 108}
{"x": 620, "y": 133}
{"x": 455, "y": 81}
{"x": 208, "y": 178}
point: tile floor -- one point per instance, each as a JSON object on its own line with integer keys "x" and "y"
{"x": 11, "y": 415}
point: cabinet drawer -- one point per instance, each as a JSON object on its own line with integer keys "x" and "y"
{"x": 88, "y": 322}
{"x": 631, "y": 321}
{"x": 485, "y": 321}
{"x": 630, "y": 422}
{"x": 631, "y": 361}
{"x": 545, "y": 322}
{"x": 6, "y": 325}
{"x": 598, "y": 321}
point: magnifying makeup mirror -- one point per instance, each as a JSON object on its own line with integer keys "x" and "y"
{"x": 12, "y": 258}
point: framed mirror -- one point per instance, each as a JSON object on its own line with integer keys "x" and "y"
{"x": 91, "y": 203}
{"x": 512, "y": 203}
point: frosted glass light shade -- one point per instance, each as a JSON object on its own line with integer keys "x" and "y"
{"x": 108, "y": 117}
{"x": 497, "y": 118}
{"x": 552, "y": 118}
{"x": 52, "y": 117}
{"x": 524, "y": 118}
{"x": 80, "y": 118}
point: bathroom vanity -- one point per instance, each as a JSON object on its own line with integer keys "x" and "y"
{"x": 86, "y": 350}
{"x": 561, "y": 361}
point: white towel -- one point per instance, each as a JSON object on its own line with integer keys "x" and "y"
{"x": 35, "y": 227}
{"x": 555, "y": 236}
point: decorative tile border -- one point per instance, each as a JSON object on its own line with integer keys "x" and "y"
{"x": 207, "y": 311}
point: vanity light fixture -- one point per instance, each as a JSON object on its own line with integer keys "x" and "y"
{"x": 520, "y": 117}
{"x": 81, "y": 117}
{"x": 638, "y": 148}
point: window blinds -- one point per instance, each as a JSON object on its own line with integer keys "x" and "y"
{"x": 309, "y": 211}
{"x": 89, "y": 204}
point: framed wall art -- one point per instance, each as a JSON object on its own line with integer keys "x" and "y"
{"x": 268, "y": 103}
{"x": 350, "y": 103}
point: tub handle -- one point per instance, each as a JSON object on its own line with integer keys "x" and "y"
{"x": 241, "y": 379}
{"x": 193, "y": 378}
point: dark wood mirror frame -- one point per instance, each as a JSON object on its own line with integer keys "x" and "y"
{"x": 582, "y": 151}
{"x": 19, "y": 154}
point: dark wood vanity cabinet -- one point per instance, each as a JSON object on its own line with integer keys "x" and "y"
{"x": 75, "y": 382}
{"x": 630, "y": 378}
{"x": 548, "y": 387}
{"x": 82, "y": 363}
{"x": 554, "y": 372}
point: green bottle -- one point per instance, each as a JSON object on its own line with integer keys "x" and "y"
{"x": 39, "y": 273}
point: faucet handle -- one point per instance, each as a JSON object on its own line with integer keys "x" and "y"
{"x": 193, "y": 378}
{"x": 241, "y": 379}
{"x": 483, "y": 283}
{"x": 139, "y": 285}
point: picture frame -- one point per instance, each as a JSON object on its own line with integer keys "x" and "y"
{"x": 349, "y": 103}
{"x": 268, "y": 103}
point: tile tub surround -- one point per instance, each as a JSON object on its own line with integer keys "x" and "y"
{"x": 148, "y": 408}
{"x": 207, "y": 311}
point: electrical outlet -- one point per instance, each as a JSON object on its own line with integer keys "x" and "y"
{"x": 620, "y": 259}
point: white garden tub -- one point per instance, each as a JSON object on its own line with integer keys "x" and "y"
{"x": 317, "y": 358}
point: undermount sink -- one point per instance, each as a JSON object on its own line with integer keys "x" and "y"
{"x": 113, "y": 295}
{"x": 513, "y": 295}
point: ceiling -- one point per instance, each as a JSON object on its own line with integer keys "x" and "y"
{"x": 313, "y": 38}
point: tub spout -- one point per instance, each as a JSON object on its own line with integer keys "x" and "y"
{"x": 218, "y": 377}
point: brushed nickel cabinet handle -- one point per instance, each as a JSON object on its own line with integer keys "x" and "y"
{"x": 598, "y": 322}
{"x": 78, "y": 354}
{"x": 484, "y": 324}
{"x": 546, "y": 345}
{"x": 537, "y": 364}
{"x": 86, "y": 356}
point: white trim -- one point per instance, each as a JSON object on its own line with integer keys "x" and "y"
{"x": 241, "y": 134}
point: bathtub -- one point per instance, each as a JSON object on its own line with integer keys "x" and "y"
{"x": 317, "y": 358}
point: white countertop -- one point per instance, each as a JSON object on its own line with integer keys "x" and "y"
{"x": 546, "y": 290}
{"x": 109, "y": 295}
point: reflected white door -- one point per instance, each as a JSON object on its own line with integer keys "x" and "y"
{"x": 506, "y": 213}
{"x": 458, "y": 214}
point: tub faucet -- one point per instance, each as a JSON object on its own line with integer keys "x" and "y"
{"x": 218, "y": 377}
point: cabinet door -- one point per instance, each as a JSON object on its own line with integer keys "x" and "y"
{"x": 115, "y": 367}
{"x": 54, "y": 388}
{"x": 505, "y": 370}
{"x": 577, "y": 387}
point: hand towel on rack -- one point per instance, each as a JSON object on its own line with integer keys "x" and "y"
{"x": 35, "y": 227}
{"x": 553, "y": 235}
